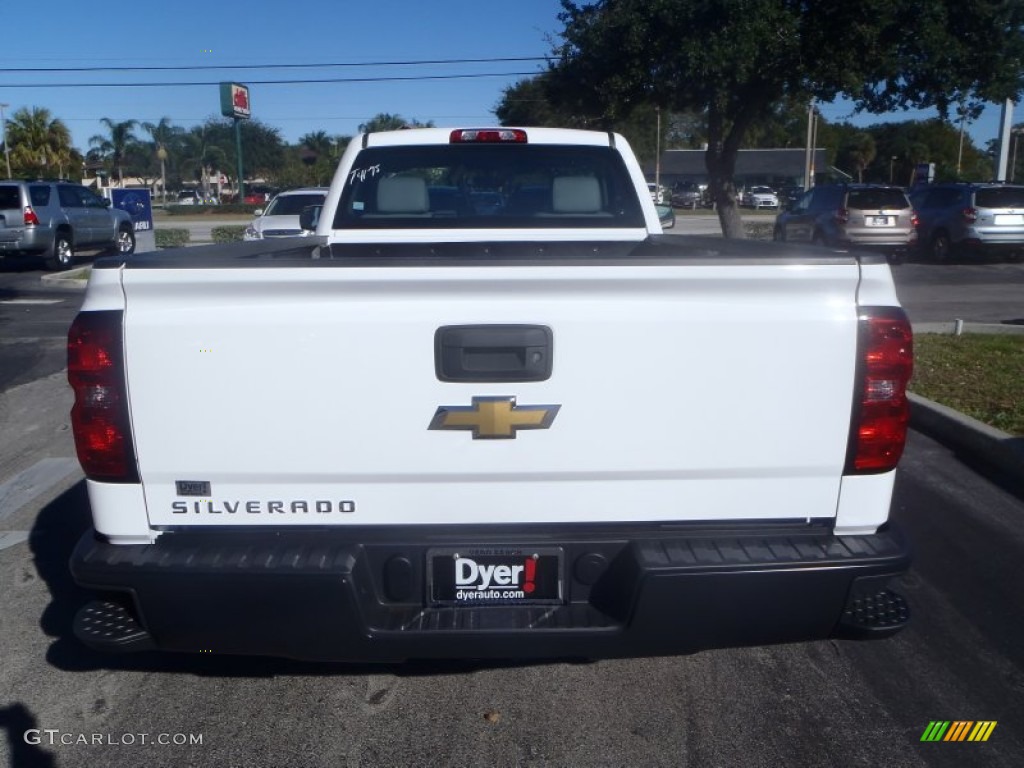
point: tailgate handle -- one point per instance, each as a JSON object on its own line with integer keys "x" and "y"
{"x": 485, "y": 353}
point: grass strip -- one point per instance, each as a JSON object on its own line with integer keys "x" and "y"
{"x": 981, "y": 375}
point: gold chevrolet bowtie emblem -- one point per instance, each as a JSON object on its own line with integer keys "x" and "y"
{"x": 494, "y": 417}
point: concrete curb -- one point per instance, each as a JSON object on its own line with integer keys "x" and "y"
{"x": 998, "y": 449}
{"x": 950, "y": 328}
{"x": 73, "y": 278}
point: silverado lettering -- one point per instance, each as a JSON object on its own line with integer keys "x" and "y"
{"x": 730, "y": 415}
{"x": 259, "y": 507}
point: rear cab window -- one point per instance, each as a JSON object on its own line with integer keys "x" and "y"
{"x": 465, "y": 186}
{"x": 881, "y": 199}
{"x": 999, "y": 197}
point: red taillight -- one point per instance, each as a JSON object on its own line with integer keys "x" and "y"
{"x": 970, "y": 215}
{"x": 842, "y": 216}
{"x": 488, "y": 136}
{"x": 31, "y": 220}
{"x": 99, "y": 417}
{"x": 915, "y": 220}
{"x": 881, "y": 410}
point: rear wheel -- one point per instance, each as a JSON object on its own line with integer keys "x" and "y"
{"x": 63, "y": 255}
{"x": 940, "y": 247}
{"x": 125, "y": 241}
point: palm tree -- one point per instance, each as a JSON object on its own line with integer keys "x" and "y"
{"x": 385, "y": 121}
{"x": 862, "y": 152}
{"x": 320, "y": 152}
{"x": 38, "y": 142}
{"x": 163, "y": 135}
{"x": 202, "y": 156}
{"x": 115, "y": 146}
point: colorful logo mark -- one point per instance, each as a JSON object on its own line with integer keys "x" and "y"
{"x": 958, "y": 730}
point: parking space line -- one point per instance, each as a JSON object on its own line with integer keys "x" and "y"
{"x": 11, "y": 538}
{"x": 32, "y": 483}
{"x": 32, "y": 301}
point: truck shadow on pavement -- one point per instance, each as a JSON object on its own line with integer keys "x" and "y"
{"x": 58, "y": 528}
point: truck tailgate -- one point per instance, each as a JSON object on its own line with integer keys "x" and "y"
{"x": 685, "y": 392}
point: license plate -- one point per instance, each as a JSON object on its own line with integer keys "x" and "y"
{"x": 1009, "y": 219}
{"x": 878, "y": 221}
{"x": 495, "y": 576}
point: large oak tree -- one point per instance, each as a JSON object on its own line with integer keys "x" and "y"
{"x": 734, "y": 60}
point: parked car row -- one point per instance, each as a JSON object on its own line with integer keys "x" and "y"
{"x": 195, "y": 197}
{"x": 689, "y": 194}
{"x": 937, "y": 221}
{"x": 255, "y": 194}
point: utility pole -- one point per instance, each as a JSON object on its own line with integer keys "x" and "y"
{"x": 1005, "y": 128}
{"x": 3, "y": 135}
{"x": 808, "y": 161}
{"x": 657, "y": 160}
{"x": 1016, "y": 132}
{"x": 960, "y": 154}
{"x": 814, "y": 144}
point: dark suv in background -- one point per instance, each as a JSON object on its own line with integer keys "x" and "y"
{"x": 54, "y": 219}
{"x": 970, "y": 218}
{"x": 865, "y": 216}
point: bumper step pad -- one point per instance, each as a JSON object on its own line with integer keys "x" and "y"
{"x": 875, "y": 615}
{"x": 105, "y": 625}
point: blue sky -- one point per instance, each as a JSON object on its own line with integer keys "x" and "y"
{"x": 221, "y": 33}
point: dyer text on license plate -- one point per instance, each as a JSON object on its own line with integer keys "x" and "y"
{"x": 495, "y": 575}
{"x": 878, "y": 221}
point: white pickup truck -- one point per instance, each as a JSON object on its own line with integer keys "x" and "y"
{"x": 488, "y": 410}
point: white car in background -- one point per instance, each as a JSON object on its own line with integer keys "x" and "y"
{"x": 281, "y": 216}
{"x": 659, "y": 194}
{"x": 760, "y": 197}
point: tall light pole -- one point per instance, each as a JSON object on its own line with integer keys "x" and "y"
{"x": 1016, "y": 132}
{"x": 960, "y": 153}
{"x": 808, "y": 162}
{"x": 161, "y": 153}
{"x": 657, "y": 160}
{"x": 891, "y": 161}
{"x": 3, "y": 135}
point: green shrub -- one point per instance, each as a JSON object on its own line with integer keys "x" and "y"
{"x": 206, "y": 210}
{"x": 171, "y": 238}
{"x": 227, "y": 234}
{"x": 245, "y": 208}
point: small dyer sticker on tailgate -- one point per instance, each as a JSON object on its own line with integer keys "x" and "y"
{"x": 500, "y": 576}
{"x": 490, "y": 418}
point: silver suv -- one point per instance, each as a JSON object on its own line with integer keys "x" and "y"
{"x": 867, "y": 216}
{"x": 55, "y": 219}
{"x": 962, "y": 218}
